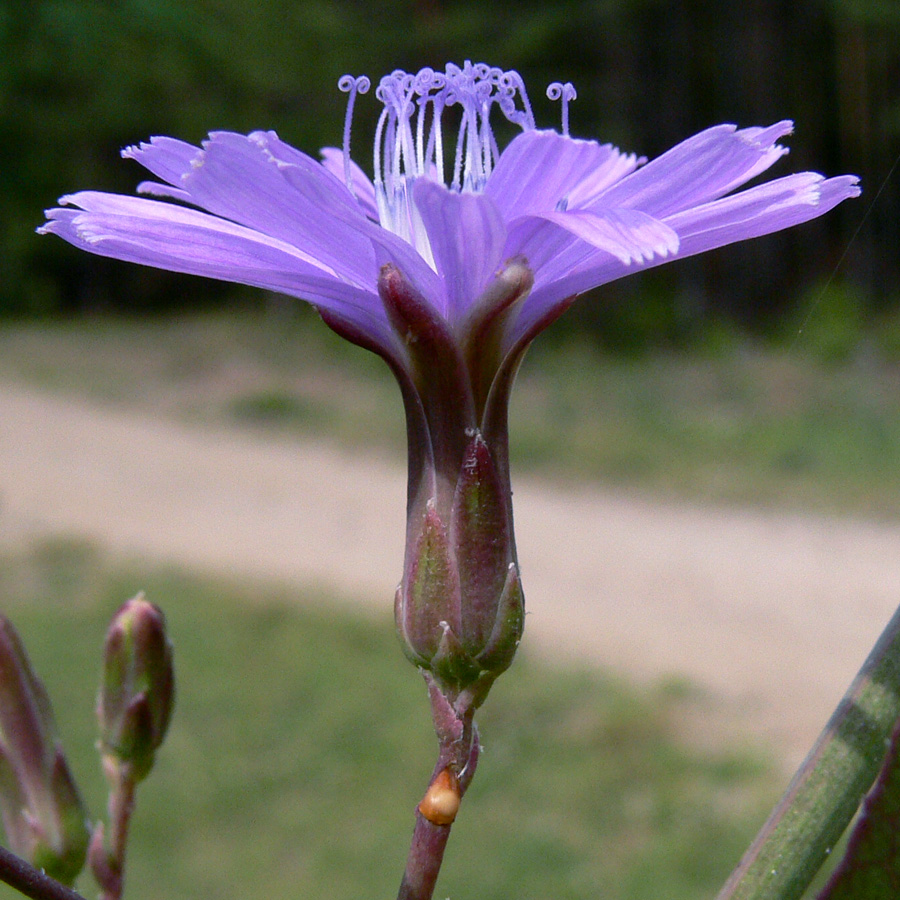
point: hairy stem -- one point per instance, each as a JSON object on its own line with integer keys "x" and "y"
{"x": 829, "y": 786}
{"x": 31, "y": 882}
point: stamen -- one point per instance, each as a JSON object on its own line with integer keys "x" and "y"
{"x": 513, "y": 83}
{"x": 406, "y": 161}
{"x": 437, "y": 106}
{"x": 420, "y": 134}
{"x": 379, "y": 132}
{"x": 406, "y": 149}
{"x": 473, "y": 151}
{"x": 458, "y": 157}
{"x": 352, "y": 86}
{"x": 564, "y": 93}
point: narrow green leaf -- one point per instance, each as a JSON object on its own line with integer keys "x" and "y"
{"x": 870, "y": 869}
{"x": 826, "y": 792}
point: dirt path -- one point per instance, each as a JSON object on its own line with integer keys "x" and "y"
{"x": 771, "y": 613}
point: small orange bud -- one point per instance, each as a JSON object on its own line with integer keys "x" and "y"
{"x": 441, "y": 801}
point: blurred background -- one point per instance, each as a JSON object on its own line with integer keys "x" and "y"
{"x": 80, "y": 79}
{"x": 763, "y": 375}
{"x": 749, "y": 373}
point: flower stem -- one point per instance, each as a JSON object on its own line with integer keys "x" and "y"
{"x": 121, "y": 806}
{"x": 31, "y": 882}
{"x": 426, "y": 852}
{"x": 108, "y": 865}
{"x": 829, "y": 785}
{"x": 424, "y": 861}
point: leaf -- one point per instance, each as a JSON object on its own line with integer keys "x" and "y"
{"x": 870, "y": 869}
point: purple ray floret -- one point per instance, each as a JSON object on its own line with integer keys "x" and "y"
{"x": 252, "y": 209}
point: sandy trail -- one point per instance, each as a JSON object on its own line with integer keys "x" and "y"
{"x": 771, "y": 613}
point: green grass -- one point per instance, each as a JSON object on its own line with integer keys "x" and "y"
{"x": 301, "y": 743}
{"x": 749, "y": 424}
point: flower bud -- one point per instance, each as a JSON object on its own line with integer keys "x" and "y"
{"x": 460, "y": 608}
{"x": 42, "y": 812}
{"x": 138, "y": 687}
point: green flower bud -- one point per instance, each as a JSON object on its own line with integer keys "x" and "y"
{"x": 460, "y": 608}
{"x": 138, "y": 687}
{"x": 42, "y": 812}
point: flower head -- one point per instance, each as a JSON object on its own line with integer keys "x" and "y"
{"x": 447, "y": 213}
{"x": 447, "y": 263}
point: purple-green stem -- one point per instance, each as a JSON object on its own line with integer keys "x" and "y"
{"x": 31, "y": 882}
{"x": 108, "y": 865}
{"x": 829, "y": 785}
{"x": 426, "y": 852}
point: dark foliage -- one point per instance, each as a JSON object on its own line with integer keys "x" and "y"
{"x": 79, "y": 79}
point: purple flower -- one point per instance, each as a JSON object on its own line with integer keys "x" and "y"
{"x": 580, "y": 213}
{"x": 447, "y": 265}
